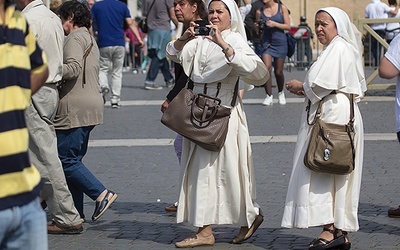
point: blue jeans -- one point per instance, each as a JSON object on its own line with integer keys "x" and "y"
{"x": 72, "y": 147}
{"x": 24, "y": 227}
{"x": 155, "y": 65}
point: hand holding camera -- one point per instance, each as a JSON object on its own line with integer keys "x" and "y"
{"x": 201, "y": 29}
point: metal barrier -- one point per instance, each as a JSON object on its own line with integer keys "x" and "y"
{"x": 302, "y": 57}
{"x": 381, "y": 46}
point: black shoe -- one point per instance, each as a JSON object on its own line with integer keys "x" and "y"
{"x": 346, "y": 245}
{"x": 43, "y": 204}
{"x": 103, "y": 205}
{"x": 242, "y": 236}
{"x": 336, "y": 243}
{"x": 115, "y": 105}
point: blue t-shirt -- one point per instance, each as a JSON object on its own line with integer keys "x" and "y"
{"x": 109, "y": 17}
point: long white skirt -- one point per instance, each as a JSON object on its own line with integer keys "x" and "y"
{"x": 219, "y": 187}
{"x": 315, "y": 199}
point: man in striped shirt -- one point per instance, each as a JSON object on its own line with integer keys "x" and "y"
{"x": 23, "y": 70}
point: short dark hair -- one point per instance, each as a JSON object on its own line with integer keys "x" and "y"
{"x": 78, "y": 11}
{"x": 201, "y": 8}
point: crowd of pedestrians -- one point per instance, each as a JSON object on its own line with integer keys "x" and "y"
{"x": 53, "y": 98}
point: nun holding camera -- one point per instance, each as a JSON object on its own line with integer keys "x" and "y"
{"x": 219, "y": 187}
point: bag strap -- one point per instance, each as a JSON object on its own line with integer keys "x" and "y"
{"x": 349, "y": 125}
{"x": 235, "y": 92}
{"x": 151, "y": 6}
{"x": 84, "y": 59}
{"x": 318, "y": 112}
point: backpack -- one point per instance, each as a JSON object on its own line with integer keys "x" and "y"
{"x": 291, "y": 42}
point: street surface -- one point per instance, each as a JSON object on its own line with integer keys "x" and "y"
{"x": 132, "y": 153}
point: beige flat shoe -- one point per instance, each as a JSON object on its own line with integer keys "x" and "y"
{"x": 196, "y": 241}
{"x": 243, "y": 235}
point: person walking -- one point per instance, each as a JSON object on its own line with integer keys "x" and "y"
{"x": 159, "y": 16}
{"x": 392, "y": 29}
{"x": 186, "y": 11}
{"x": 321, "y": 199}
{"x": 389, "y": 68}
{"x": 81, "y": 107}
{"x": 108, "y": 17}
{"x": 219, "y": 187}
{"x": 23, "y": 71}
{"x": 271, "y": 22}
{"x": 377, "y": 9}
{"x": 250, "y": 22}
{"x": 43, "y": 151}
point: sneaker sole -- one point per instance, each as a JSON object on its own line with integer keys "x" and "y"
{"x": 152, "y": 88}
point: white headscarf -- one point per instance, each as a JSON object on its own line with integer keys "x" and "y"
{"x": 237, "y": 24}
{"x": 210, "y": 64}
{"x": 328, "y": 70}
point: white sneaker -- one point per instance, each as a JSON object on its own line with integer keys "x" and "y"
{"x": 268, "y": 100}
{"x": 281, "y": 98}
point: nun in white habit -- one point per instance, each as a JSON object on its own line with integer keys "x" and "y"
{"x": 319, "y": 199}
{"x": 219, "y": 187}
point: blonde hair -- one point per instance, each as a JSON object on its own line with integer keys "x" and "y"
{"x": 54, "y": 5}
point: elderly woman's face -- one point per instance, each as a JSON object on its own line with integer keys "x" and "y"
{"x": 67, "y": 25}
{"x": 325, "y": 28}
{"x": 185, "y": 12}
{"x": 218, "y": 14}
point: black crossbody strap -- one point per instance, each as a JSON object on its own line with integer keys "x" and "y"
{"x": 151, "y": 6}
{"x": 84, "y": 59}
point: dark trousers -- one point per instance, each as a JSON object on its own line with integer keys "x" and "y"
{"x": 72, "y": 147}
{"x": 376, "y": 47}
{"x": 158, "y": 64}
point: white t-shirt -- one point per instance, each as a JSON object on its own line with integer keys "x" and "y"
{"x": 393, "y": 55}
{"x": 377, "y": 9}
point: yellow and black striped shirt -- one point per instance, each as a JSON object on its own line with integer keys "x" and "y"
{"x": 19, "y": 57}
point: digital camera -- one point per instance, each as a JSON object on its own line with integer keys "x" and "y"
{"x": 201, "y": 30}
{"x": 261, "y": 24}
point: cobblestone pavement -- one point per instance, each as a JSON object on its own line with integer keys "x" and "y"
{"x": 132, "y": 154}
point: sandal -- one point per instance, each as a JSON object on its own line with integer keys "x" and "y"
{"x": 336, "y": 242}
{"x": 347, "y": 243}
{"x": 394, "y": 212}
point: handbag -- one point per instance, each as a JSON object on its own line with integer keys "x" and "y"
{"x": 143, "y": 22}
{"x": 331, "y": 146}
{"x": 291, "y": 44}
{"x": 199, "y": 117}
{"x": 143, "y": 25}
